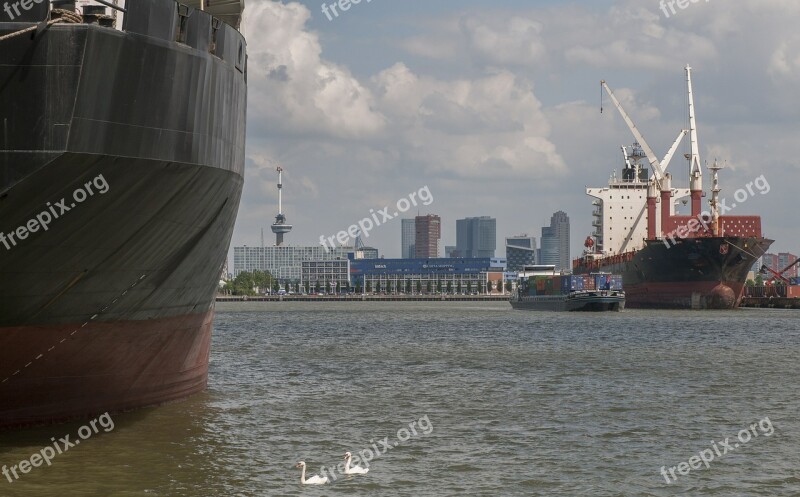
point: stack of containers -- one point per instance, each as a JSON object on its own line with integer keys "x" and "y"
{"x": 616, "y": 281}
{"x": 601, "y": 282}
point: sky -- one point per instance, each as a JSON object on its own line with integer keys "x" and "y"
{"x": 493, "y": 107}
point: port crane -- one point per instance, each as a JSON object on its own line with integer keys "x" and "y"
{"x": 779, "y": 275}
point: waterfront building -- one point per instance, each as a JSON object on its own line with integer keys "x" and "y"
{"x": 283, "y": 263}
{"x": 408, "y": 238}
{"x": 333, "y": 275}
{"x": 520, "y": 252}
{"x": 428, "y": 233}
{"x": 476, "y": 236}
{"x": 428, "y": 275}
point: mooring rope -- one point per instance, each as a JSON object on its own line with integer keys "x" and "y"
{"x": 64, "y": 16}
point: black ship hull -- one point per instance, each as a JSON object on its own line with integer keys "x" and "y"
{"x": 589, "y": 302}
{"x": 695, "y": 273}
{"x": 121, "y": 171}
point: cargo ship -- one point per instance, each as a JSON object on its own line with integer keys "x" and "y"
{"x": 695, "y": 261}
{"x": 595, "y": 292}
{"x": 122, "y": 134}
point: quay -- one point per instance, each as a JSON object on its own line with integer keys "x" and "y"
{"x": 365, "y": 298}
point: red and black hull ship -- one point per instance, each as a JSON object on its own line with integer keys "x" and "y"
{"x": 111, "y": 307}
{"x": 695, "y": 273}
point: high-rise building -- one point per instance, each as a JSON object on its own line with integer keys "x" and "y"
{"x": 784, "y": 259}
{"x": 555, "y": 242}
{"x": 476, "y": 236}
{"x": 428, "y": 233}
{"x": 451, "y": 251}
{"x": 408, "y": 238}
{"x": 520, "y": 252}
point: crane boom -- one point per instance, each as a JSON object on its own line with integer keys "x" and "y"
{"x": 668, "y": 157}
{"x": 655, "y": 165}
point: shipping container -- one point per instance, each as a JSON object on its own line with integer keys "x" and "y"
{"x": 601, "y": 282}
{"x": 793, "y": 291}
{"x": 616, "y": 282}
{"x": 588, "y": 282}
{"x": 794, "y": 281}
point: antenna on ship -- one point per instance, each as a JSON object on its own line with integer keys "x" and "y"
{"x": 715, "y": 189}
{"x": 280, "y": 227}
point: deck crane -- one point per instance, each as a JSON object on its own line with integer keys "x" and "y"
{"x": 658, "y": 167}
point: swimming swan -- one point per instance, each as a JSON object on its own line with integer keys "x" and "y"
{"x": 314, "y": 480}
{"x": 355, "y": 470}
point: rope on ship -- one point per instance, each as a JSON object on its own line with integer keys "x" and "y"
{"x": 63, "y": 16}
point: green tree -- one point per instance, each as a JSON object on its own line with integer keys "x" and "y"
{"x": 430, "y": 287}
{"x": 378, "y": 287}
{"x": 469, "y": 287}
{"x": 409, "y": 286}
{"x": 327, "y": 287}
{"x": 449, "y": 287}
{"x": 358, "y": 287}
{"x": 458, "y": 287}
{"x": 244, "y": 284}
{"x": 750, "y": 283}
{"x": 419, "y": 286}
{"x": 318, "y": 287}
{"x": 438, "y": 286}
{"x": 759, "y": 280}
{"x": 489, "y": 286}
{"x": 308, "y": 287}
{"x": 275, "y": 286}
{"x": 369, "y": 286}
{"x": 508, "y": 287}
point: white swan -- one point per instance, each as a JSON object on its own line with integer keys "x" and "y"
{"x": 355, "y": 470}
{"x": 314, "y": 480}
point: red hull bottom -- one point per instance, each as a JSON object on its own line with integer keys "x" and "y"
{"x": 57, "y": 373}
{"x": 685, "y": 295}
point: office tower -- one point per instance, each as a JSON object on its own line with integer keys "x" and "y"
{"x": 428, "y": 234}
{"x": 476, "y": 236}
{"x": 555, "y": 242}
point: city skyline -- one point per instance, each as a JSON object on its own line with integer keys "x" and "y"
{"x": 506, "y": 134}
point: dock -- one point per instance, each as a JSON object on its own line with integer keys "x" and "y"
{"x": 366, "y": 298}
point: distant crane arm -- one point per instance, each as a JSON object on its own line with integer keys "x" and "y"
{"x": 668, "y": 157}
{"x": 765, "y": 269}
{"x": 655, "y": 165}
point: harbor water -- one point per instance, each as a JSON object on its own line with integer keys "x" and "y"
{"x": 456, "y": 399}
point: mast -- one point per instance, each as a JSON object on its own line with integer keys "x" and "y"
{"x": 695, "y": 172}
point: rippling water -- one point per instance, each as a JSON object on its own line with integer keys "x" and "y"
{"x": 518, "y": 403}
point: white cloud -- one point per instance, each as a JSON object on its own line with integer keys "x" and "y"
{"x": 291, "y": 87}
